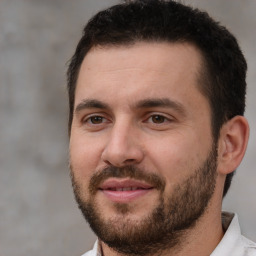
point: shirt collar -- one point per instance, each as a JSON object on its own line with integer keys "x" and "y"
{"x": 231, "y": 242}
{"x": 96, "y": 251}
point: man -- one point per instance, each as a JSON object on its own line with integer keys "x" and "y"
{"x": 157, "y": 96}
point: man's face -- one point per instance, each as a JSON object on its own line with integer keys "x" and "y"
{"x": 141, "y": 151}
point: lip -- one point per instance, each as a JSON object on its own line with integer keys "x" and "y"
{"x": 124, "y": 190}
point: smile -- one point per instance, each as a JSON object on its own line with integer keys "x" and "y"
{"x": 124, "y": 191}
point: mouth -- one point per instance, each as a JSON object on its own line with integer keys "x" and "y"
{"x": 124, "y": 190}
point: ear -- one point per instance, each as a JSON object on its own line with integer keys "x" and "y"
{"x": 232, "y": 144}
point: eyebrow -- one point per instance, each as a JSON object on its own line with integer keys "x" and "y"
{"x": 142, "y": 104}
{"x": 90, "y": 103}
{"x": 162, "y": 102}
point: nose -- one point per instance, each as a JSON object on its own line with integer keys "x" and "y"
{"x": 123, "y": 147}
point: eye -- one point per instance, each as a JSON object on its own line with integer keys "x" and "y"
{"x": 157, "y": 119}
{"x": 94, "y": 120}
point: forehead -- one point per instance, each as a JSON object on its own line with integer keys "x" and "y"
{"x": 140, "y": 70}
{"x": 148, "y": 55}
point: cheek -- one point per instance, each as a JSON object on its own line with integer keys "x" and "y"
{"x": 176, "y": 158}
{"x": 84, "y": 157}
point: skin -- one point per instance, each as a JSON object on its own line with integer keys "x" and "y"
{"x": 127, "y": 133}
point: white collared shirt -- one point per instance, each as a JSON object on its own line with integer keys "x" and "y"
{"x": 232, "y": 243}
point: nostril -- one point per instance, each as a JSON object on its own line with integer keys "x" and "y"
{"x": 129, "y": 161}
{"x": 107, "y": 162}
{"x": 119, "y": 154}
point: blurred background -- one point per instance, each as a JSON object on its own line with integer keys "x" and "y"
{"x": 38, "y": 215}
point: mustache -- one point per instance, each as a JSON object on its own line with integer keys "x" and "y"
{"x": 129, "y": 171}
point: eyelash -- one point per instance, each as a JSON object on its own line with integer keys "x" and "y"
{"x": 162, "y": 118}
{"x": 88, "y": 119}
{"x": 151, "y": 119}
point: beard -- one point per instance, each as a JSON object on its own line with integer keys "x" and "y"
{"x": 163, "y": 227}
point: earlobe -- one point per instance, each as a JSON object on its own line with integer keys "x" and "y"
{"x": 232, "y": 144}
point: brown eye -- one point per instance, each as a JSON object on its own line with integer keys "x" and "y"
{"x": 158, "y": 119}
{"x": 96, "y": 119}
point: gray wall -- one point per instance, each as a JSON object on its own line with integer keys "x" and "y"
{"x": 38, "y": 215}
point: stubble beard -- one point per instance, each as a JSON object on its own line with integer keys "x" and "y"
{"x": 161, "y": 229}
